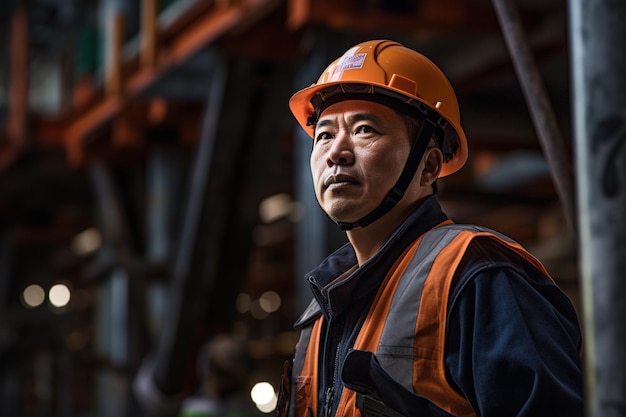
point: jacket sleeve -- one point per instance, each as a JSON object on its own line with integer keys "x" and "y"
{"x": 513, "y": 346}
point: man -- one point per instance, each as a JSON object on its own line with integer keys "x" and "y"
{"x": 416, "y": 316}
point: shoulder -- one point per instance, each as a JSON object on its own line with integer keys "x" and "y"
{"x": 478, "y": 248}
{"x": 488, "y": 254}
{"x": 493, "y": 273}
{"x": 482, "y": 253}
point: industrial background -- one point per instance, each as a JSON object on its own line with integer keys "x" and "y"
{"x": 155, "y": 192}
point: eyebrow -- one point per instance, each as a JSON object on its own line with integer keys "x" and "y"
{"x": 356, "y": 117}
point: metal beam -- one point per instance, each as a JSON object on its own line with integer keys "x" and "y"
{"x": 202, "y": 32}
{"x": 539, "y": 105}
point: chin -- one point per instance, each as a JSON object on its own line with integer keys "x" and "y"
{"x": 348, "y": 213}
{"x": 342, "y": 217}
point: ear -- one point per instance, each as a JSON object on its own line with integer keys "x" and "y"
{"x": 433, "y": 161}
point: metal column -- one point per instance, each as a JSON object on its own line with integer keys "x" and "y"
{"x": 164, "y": 176}
{"x": 598, "y": 43}
{"x": 112, "y": 315}
{"x": 159, "y": 383}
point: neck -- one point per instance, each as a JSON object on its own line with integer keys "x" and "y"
{"x": 366, "y": 241}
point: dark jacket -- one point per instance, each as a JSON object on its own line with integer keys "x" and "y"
{"x": 512, "y": 345}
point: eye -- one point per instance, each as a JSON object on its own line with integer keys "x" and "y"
{"x": 322, "y": 136}
{"x": 364, "y": 129}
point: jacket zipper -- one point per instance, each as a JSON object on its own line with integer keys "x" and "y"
{"x": 330, "y": 391}
{"x": 329, "y": 394}
{"x": 328, "y": 408}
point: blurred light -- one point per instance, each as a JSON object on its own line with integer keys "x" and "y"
{"x": 87, "y": 241}
{"x": 33, "y": 296}
{"x": 269, "y": 406}
{"x": 264, "y": 396}
{"x": 243, "y": 303}
{"x": 59, "y": 295}
{"x": 269, "y": 301}
{"x": 275, "y": 207}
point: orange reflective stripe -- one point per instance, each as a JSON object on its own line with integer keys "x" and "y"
{"x": 307, "y": 383}
{"x": 429, "y": 377}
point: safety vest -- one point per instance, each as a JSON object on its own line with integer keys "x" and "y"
{"x": 405, "y": 326}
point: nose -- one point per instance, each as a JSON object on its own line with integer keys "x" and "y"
{"x": 341, "y": 152}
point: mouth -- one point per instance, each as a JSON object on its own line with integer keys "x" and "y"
{"x": 337, "y": 180}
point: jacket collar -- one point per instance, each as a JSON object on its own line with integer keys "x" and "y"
{"x": 362, "y": 283}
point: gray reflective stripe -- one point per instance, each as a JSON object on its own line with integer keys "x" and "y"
{"x": 396, "y": 346}
{"x": 479, "y": 229}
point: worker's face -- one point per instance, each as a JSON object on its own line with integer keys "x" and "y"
{"x": 359, "y": 151}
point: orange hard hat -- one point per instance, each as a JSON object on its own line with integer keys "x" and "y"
{"x": 386, "y": 69}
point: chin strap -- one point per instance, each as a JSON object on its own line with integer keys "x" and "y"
{"x": 398, "y": 190}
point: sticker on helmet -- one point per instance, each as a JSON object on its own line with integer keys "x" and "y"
{"x": 352, "y": 61}
{"x": 348, "y": 61}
